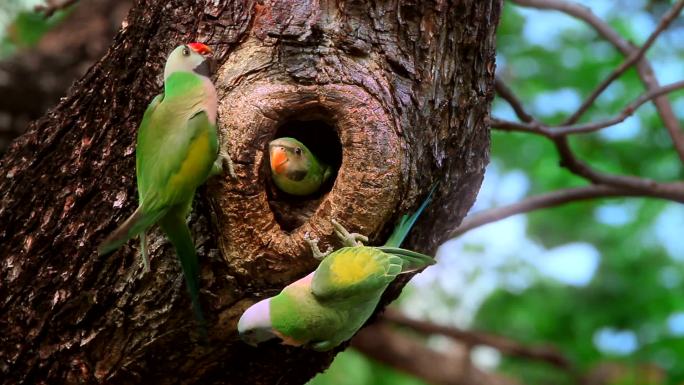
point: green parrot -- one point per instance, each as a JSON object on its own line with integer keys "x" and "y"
{"x": 295, "y": 169}
{"x": 328, "y": 306}
{"x": 177, "y": 150}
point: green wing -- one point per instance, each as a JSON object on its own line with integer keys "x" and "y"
{"x": 177, "y": 147}
{"x": 139, "y": 220}
{"x": 142, "y": 133}
{"x": 353, "y": 272}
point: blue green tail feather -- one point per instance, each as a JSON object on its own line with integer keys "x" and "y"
{"x": 406, "y": 223}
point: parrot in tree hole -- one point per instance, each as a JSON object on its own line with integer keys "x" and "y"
{"x": 294, "y": 169}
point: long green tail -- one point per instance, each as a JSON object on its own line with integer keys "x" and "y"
{"x": 406, "y": 223}
{"x": 178, "y": 232}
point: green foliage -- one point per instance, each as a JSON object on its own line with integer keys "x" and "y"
{"x": 29, "y": 27}
{"x": 22, "y": 28}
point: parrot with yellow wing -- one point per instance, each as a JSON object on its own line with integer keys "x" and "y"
{"x": 328, "y": 306}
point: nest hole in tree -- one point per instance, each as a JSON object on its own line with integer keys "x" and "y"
{"x": 318, "y": 133}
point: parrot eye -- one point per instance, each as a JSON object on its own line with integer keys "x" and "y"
{"x": 298, "y": 151}
{"x": 186, "y": 52}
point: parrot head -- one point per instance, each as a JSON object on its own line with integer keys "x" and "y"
{"x": 289, "y": 158}
{"x": 255, "y": 324}
{"x": 192, "y": 57}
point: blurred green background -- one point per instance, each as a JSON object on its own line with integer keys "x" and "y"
{"x": 601, "y": 280}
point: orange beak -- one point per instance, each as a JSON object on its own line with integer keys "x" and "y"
{"x": 278, "y": 160}
{"x": 200, "y": 48}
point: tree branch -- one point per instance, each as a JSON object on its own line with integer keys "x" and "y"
{"x": 507, "y": 94}
{"x": 409, "y": 355}
{"x": 633, "y": 57}
{"x": 53, "y": 6}
{"x": 506, "y": 346}
{"x": 536, "y": 127}
{"x": 552, "y": 199}
{"x": 631, "y": 185}
{"x": 644, "y": 68}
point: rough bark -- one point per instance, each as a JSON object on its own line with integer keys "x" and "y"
{"x": 403, "y": 86}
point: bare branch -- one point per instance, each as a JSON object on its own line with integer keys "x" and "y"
{"x": 585, "y": 14}
{"x": 552, "y": 199}
{"x": 536, "y": 127}
{"x": 471, "y": 338}
{"x": 624, "y": 114}
{"x": 410, "y": 355}
{"x": 508, "y": 95}
{"x": 644, "y": 68}
{"x": 630, "y": 185}
{"x": 646, "y": 187}
{"x": 631, "y": 59}
{"x": 53, "y": 6}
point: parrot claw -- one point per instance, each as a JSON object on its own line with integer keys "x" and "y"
{"x": 223, "y": 162}
{"x": 229, "y": 165}
{"x": 348, "y": 239}
{"x": 313, "y": 243}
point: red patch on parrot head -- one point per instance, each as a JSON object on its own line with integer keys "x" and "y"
{"x": 200, "y": 48}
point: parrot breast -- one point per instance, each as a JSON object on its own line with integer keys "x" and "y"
{"x": 197, "y": 163}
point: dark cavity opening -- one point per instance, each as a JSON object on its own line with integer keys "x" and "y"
{"x": 321, "y": 138}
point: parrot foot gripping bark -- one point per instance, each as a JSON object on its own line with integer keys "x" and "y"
{"x": 317, "y": 253}
{"x": 348, "y": 240}
{"x": 223, "y": 162}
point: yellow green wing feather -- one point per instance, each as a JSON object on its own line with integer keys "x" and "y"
{"x": 354, "y": 271}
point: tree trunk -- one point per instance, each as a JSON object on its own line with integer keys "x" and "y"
{"x": 396, "y": 93}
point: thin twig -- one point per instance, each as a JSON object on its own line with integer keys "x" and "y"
{"x": 644, "y": 68}
{"x": 673, "y": 191}
{"x": 552, "y": 199}
{"x": 624, "y": 114}
{"x": 630, "y": 184}
{"x": 507, "y": 94}
{"x": 537, "y": 127}
{"x": 506, "y": 346}
{"x": 383, "y": 343}
{"x": 631, "y": 59}
{"x": 51, "y": 7}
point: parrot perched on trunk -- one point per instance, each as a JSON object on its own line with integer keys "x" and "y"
{"x": 295, "y": 169}
{"x": 177, "y": 150}
{"x": 328, "y": 306}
